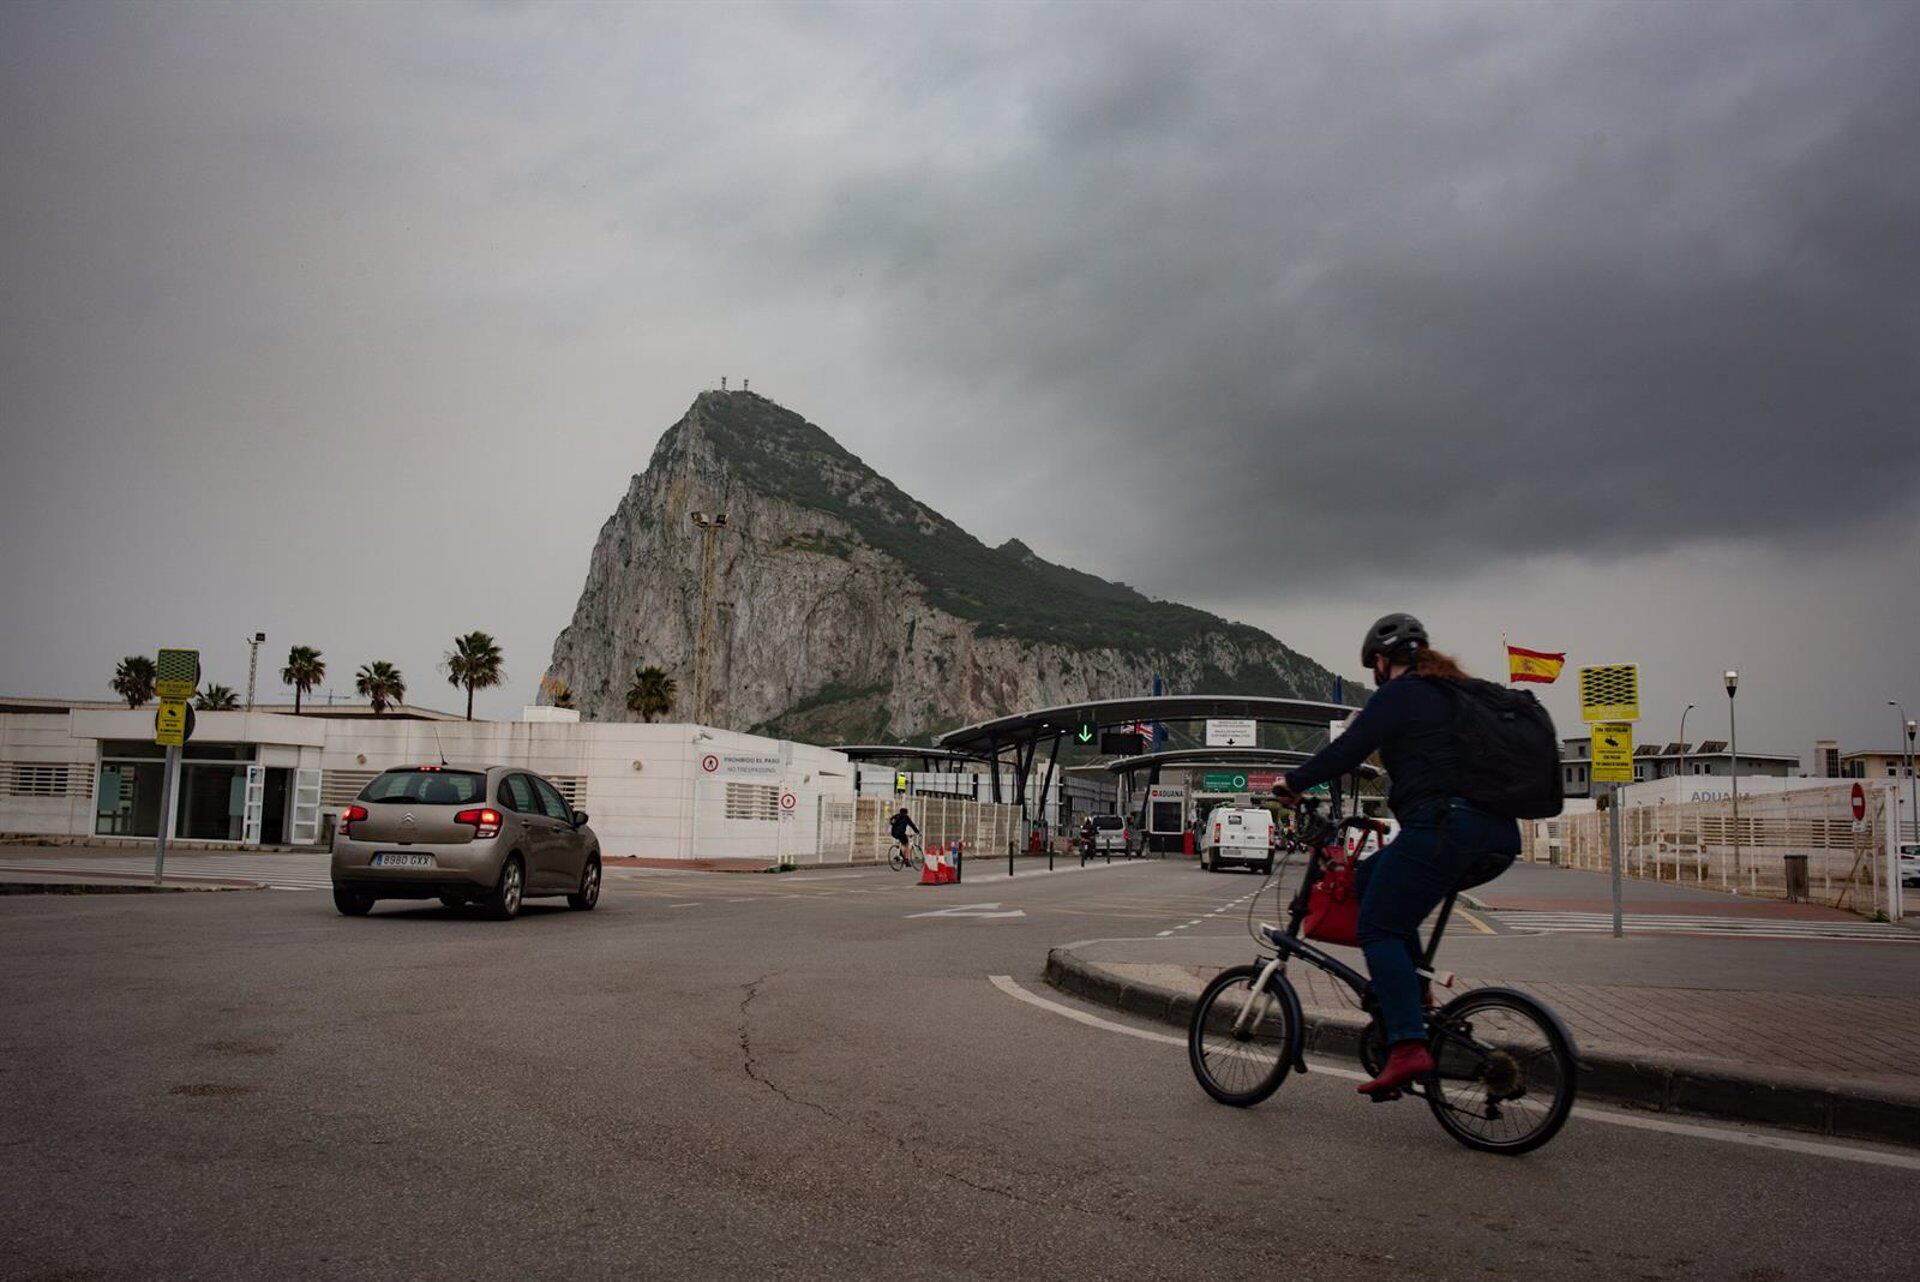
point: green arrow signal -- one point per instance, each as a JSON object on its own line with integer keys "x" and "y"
{"x": 1086, "y": 734}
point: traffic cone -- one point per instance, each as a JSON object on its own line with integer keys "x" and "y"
{"x": 930, "y": 867}
{"x": 949, "y": 867}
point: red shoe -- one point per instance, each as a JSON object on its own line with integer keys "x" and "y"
{"x": 1406, "y": 1062}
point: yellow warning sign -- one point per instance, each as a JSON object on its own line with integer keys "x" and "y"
{"x": 170, "y": 723}
{"x": 1613, "y": 752}
{"x": 176, "y": 674}
{"x": 1610, "y": 692}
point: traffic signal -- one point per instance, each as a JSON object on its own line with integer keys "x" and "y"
{"x": 1083, "y": 733}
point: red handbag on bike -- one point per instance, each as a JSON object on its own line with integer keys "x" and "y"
{"x": 1333, "y": 902}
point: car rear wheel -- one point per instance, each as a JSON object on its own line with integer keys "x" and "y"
{"x": 352, "y": 903}
{"x": 504, "y": 903}
{"x": 589, "y": 893}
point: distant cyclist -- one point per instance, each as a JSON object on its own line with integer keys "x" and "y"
{"x": 903, "y": 824}
{"x": 1444, "y": 844}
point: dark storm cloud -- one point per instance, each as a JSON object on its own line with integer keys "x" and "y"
{"x": 1543, "y": 276}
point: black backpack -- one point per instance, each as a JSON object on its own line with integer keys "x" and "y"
{"x": 1509, "y": 752}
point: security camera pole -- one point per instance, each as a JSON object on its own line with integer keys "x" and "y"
{"x": 1610, "y": 704}
{"x": 253, "y": 664}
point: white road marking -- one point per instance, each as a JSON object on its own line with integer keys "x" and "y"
{"x": 971, "y": 910}
{"x": 695, "y": 904}
{"x": 1632, "y": 1121}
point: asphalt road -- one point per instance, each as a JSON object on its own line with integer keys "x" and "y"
{"x": 757, "y": 1075}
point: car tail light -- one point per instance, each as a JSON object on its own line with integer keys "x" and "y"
{"x": 351, "y": 816}
{"x": 486, "y": 823}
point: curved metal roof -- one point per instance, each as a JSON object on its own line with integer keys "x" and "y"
{"x": 896, "y": 751}
{"x": 1226, "y": 758}
{"x": 1045, "y": 722}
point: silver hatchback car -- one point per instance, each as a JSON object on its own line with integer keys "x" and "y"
{"x": 488, "y": 835}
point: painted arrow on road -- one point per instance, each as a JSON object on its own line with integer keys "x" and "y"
{"x": 972, "y": 910}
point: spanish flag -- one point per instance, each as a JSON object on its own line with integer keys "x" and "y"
{"x": 1533, "y": 665}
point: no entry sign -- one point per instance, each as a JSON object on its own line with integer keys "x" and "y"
{"x": 1859, "y": 803}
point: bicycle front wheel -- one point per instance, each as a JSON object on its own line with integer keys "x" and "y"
{"x": 1506, "y": 1071}
{"x": 1241, "y": 1043}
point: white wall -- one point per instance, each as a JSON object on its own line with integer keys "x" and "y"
{"x": 641, "y": 785}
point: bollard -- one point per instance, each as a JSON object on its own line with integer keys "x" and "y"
{"x": 959, "y": 861}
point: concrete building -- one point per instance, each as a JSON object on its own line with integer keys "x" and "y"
{"x": 79, "y": 769}
{"x": 1671, "y": 761}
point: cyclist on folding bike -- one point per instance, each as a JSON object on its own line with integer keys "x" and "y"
{"x": 1444, "y": 844}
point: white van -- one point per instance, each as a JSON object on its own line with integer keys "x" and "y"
{"x": 1238, "y": 835}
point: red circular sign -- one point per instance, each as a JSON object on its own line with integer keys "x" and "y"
{"x": 1859, "y": 802}
{"x": 788, "y": 801}
{"x": 709, "y": 763}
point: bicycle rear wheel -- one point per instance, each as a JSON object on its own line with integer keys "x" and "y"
{"x": 1241, "y": 1062}
{"x": 1506, "y": 1072}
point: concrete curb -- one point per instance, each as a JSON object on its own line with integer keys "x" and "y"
{"x": 106, "y": 888}
{"x": 1659, "y": 1083}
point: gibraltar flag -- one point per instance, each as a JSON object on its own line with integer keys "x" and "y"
{"x": 1533, "y": 665}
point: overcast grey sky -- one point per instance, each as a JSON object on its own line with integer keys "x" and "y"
{"x": 1597, "y": 324}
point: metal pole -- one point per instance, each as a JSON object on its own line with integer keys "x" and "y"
{"x": 169, "y": 784}
{"x": 1683, "y": 740}
{"x": 1913, "y": 786}
{"x": 1733, "y": 738}
{"x": 1613, "y": 854}
{"x": 253, "y": 664}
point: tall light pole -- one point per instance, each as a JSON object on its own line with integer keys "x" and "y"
{"x": 1913, "y": 786}
{"x": 253, "y": 664}
{"x": 1733, "y": 757}
{"x": 1683, "y": 738}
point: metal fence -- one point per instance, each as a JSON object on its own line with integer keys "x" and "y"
{"x": 1694, "y": 843}
{"x": 853, "y": 830}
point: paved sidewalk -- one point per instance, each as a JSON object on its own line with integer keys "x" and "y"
{"x": 1801, "y": 1031}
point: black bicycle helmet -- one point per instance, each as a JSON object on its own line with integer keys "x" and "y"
{"x": 1394, "y": 635}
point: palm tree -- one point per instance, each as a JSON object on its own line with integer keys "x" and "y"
{"x": 474, "y": 662}
{"x": 133, "y": 679}
{"x": 381, "y": 684}
{"x": 216, "y": 699}
{"x": 651, "y": 694}
{"x": 305, "y": 670}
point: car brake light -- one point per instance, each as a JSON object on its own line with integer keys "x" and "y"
{"x": 350, "y": 816}
{"x": 486, "y": 823}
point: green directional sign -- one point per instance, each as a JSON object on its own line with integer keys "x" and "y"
{"x": 1224, "y": 781}
{"x": 1084, "y": 732}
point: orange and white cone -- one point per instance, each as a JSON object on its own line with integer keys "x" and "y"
{"x": 949, "y": 868}
{"x": 930, "y": 867}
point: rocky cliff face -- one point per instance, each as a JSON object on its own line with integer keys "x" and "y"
{"x": 844, "y": 611}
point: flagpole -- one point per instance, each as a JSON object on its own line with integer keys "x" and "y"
{"x": 1506, "y": 660}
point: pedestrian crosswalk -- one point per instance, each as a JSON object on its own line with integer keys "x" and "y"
{"x": 1730, "y": 927}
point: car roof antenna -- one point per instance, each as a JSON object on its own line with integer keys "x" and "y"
{"x": 436, "y": 742}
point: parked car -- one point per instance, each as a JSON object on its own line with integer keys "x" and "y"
{"x": 488, "y": 835}
{"x": 1242, "y": 835}
{"x": 1910, "y": 863}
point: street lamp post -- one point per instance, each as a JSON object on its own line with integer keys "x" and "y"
{"x": 1733, "y": 758}
{"x": 1683, "y": 738}
{"x": 1913, "y": 786}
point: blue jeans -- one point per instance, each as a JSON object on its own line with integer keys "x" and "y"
{"x": 1443, "y": 846}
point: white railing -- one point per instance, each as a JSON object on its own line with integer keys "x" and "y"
{"x": 1694, "y": 843}
{"x": 854, "y": 830}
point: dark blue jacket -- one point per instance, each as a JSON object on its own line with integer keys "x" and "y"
{"x": 901, "y": 822}
{"x": 1409, "y": 722}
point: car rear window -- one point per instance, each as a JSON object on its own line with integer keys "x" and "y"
{"x": 427, "y": 787}
{"x": 1109, "y": 822}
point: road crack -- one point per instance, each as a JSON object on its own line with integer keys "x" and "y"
{"x": 756, "y": 1073}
